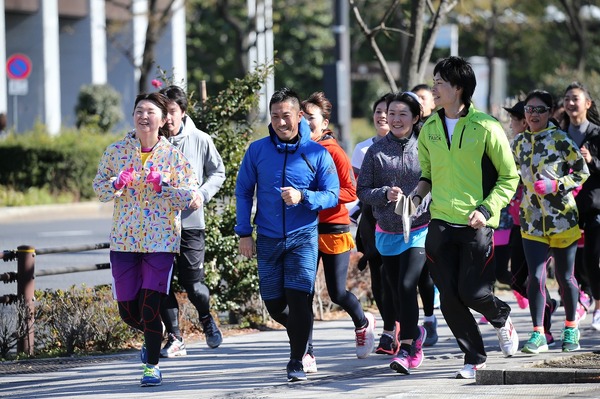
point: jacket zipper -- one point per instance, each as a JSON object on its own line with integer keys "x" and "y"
{"x": 461, "y": 137}
{"x": 531, "y": 142}
{"x": 283, "y": 178}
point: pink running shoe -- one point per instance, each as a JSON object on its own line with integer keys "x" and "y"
{"x": 416, "y": 357}
{"x": 483, "y": 320}
{"x": 521, "y": 300}
{"x": 585, "y": 300}
{"x": 401, "y": 364}
{"x": 581, "y": 313}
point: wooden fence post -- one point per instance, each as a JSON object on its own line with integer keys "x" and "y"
{"x": 25, "y": 293}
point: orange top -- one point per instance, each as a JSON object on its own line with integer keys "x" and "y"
{"x": 339, "y": 214}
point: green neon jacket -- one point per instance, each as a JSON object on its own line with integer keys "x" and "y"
{"x": 476, "y": 169}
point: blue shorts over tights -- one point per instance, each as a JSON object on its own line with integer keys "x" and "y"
{"x": 287, "y": 263}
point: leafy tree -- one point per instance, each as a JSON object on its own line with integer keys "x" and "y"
{"x": 98, "y": 105}
{"x": 578, "y": 23}
{"x": 218, "y": 42}
{"x": 534, "y": 38}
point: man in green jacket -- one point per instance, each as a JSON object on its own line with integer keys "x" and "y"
{"x": 467, "y": 165}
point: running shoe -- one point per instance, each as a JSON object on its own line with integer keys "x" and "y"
{"x": 581, "y": 313}
{"x": 295, "y": 371}
{"x": 585, "y": 300}
{"x": 416, "y": 357}
{"x": 483, "y": 320}
{"x": 386, "y": 346}
{"x": 174, "y": 347}
{"x": 509, "y": 340}
{"x": 431, "y": 329}
{"x": 144, "y": 354}
{"x": 521, "y": 300}
{"x": 309, "y": 363}
{"x": 152, "y": 377}
{"x": 213, "y": 335}
{"x": 570, "y": 339}
{"x": 365, "y": 337}
{"x": 550, "y": 339}
{"x": 469, "y": 371}
{"x": 401, "y": 364}
{"x": 596, "y": 320}
{"x": 536, "y": 344}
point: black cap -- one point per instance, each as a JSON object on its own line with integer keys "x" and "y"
{"x": 517, "y": 110}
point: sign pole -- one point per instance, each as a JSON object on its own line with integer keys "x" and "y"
{"x": 15, "y": 114}
{"x": 18, "y": 69}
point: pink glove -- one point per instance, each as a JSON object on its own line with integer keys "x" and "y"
{"x": 155, "y": 179}
{"x": 125, "y": 177}
{"x": 546, "y": 186}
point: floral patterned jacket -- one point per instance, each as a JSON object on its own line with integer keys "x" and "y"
{"x": 548, "y": 154}
{"x": 143, "y": 220}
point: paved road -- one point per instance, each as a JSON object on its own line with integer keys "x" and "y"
{"x": 57, "y": 226}
{"x": 252, "y": 366}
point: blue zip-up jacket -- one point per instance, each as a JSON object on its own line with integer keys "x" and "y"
{"x": 270, "y": 164}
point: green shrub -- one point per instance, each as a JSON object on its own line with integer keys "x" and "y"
{"x": 98, "y": 106}
{"x": 61, "y": 164}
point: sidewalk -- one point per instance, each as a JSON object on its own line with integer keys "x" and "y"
{"x": 253, "y": 366}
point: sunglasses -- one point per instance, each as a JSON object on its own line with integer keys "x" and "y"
{"x": 538, "y": 109}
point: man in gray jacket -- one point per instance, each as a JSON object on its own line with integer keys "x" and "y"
{"x": 202, "y": 154}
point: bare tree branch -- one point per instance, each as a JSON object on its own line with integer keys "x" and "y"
{"x": 417, "y": 52}
{"x": 577, "y": 30}
{"x": 370, "y": 34}
{"x": 157, "y": 22}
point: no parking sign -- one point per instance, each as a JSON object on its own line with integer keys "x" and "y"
{"x": 18, "y": 66}
{"x": 18, "y": 69}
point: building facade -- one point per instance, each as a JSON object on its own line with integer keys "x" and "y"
{"x": 54, "y": 47}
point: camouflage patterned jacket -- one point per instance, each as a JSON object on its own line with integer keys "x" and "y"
{"x": 548, "y": 154}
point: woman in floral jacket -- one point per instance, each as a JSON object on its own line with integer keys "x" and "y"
{"x": 150, "y": 181}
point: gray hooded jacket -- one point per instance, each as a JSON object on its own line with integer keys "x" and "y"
{"x": 206, "y": 161}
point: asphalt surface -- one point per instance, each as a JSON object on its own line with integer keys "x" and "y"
{"x": 253, "y": 366}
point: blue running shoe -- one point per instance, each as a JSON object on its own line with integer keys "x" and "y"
{"x": 151, "y": 377}
{"x": 432, "y": 335}
{"x": 213, "y": 335}
{"x": 295, "y": 371}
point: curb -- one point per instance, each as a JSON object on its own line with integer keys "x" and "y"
{"x": 537, "y": 376}
{"x": 77, "y": 209}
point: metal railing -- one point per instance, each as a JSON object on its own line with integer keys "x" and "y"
{"x": 25, "y": 278}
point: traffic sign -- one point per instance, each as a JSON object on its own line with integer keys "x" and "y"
{"x": 18, "y": 87}
{"x": 18, "y": 66}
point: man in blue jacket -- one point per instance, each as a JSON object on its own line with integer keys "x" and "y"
{"x": 293, "y": 178}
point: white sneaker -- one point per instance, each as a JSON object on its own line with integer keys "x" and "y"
{"x": 596, "y": 320}
{"x": 173, "y": 347}
{"x": 309, "y": 363}
{"x": 469, "y": 371}
{"x": 365, "y": 338}
{"x": 509, "y": 340}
